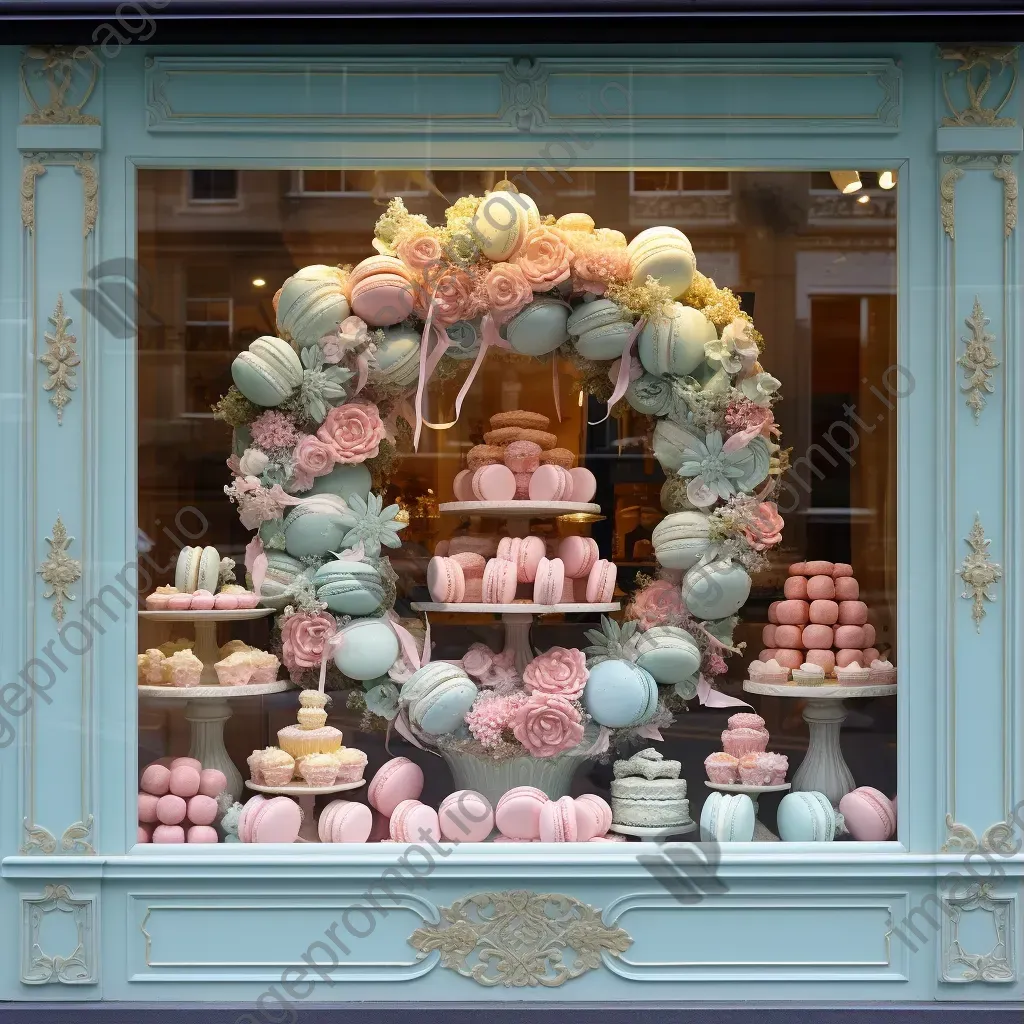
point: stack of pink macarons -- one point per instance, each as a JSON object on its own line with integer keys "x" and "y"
{"x": 201, "y": 601}
{"x": 822, "y": 620}
{"x": 528, "y": 815}
{"x": 547, "y": 482}
{"x": 178, "y": 801}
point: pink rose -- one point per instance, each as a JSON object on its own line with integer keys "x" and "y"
{"x": 547, "y": 725}
{"x": 478, "y": 661}
{"x": 313, "y": 457}
{"x": 419, "y": 253}
{"x": 658, "y": 604}
{"x": 765, "y": 528}
{"x": 353, "y": 432}
{"x": 594, "y": 270}
{"x": 507, "y": 289}
{"x": 560, "y": 671}
{"x": 303, "y": 638}
{"x": 544, "y": 259}
{"x": 331, "y": 349}
{"x": 454, "y": 297}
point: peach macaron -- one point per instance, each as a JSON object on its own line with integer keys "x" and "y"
{"x": 787, "y": 636}
{"x": 819, "y": 568}
{"x": 847, "y": 589}
{"x": 825, "y": 659}
{"x": 789, "y": 657}
{"x": 793, "y": 613}
{"x": 852, "y": 613}
{"x": 821, "y": 588}
{"x": 817, "y": 637}
{"x": 795, "y": 588}
{"x": 849, "y": 636}
{"x": 825, "y": 613}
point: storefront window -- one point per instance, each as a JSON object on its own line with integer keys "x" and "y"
{"x": 726, "y": 535}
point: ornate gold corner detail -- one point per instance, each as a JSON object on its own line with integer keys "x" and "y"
{"x": 977, "y": 64}
{"x": 60, "y": 571}
{"x": 37, "y": 840}
{"x": 29, "y": 173}
{"x": 947, "y": 197}
{"x": 68, "y": 85}
{"x": 997, "y": 838}
{"x": 978, "y": 572}
{"x": 519, "y": 938}
{"x": 86, "y": 168}
{"x": 978, "y": 360}
{"x": 60, "y": 360}
{"x": 75, "y": 838}
{"x": 1005, "y": 173}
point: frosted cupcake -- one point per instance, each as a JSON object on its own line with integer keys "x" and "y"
{"x": 319, "y": 769}
{"x": 233, "y": 647}
{"x": 756, "y": 769}
{"x": 150, "y": 673}
{"x": 265, "y": 667}
{"x": 311, "y": 735}
{"x": 350, "y": 764}
{"x": 722, "y": 768}
{"x": 255, "y": 763}
{"x": 745, "y": 720}
{"x": 234, "y": 670}
{"x": 182, "y": 668}
{"x": 160, "y": 598}
{"x": 882, "y": 671}
{"x": 809, "y": 675}
{"x": 744, "y": 741}
{"x": 779, "y": 765}
{"x": 278, "y": 766}
{"x": 853, "y": 674}
{"x": 773, "y": 672}
{"x": 754, "y": 670}
{"x": 170, "y": 647}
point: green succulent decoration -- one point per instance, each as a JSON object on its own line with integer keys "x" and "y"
{"x": 613, "y": 641}
{"x": 321, "y": 387}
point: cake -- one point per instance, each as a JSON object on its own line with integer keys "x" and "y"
{"x": 647, "y": 792}
{"x": 647, "y": 764}
{"x": 182, "y": 668}
{"x": 311, "y": 735}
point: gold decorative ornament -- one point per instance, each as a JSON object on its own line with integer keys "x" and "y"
{"x": 86, "y": 169}
{"x": 976, "y": 65}
{"x": 1005, "y": 173}
{"x": 947, "y": 198}
{"x": 60, "y": 360}
{"x": 978, "y": 572}
{"x": 32, "y": 170}
{"x": 38, "y": 840}
{"x": 519, "y": 938}
{"x": 69, "y": 82}
{"x": 75, "y": 838}
{"x": 978, "y": 360}
{"x": 60, "y": 571}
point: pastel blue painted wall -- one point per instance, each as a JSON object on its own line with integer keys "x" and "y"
{"x": 89, "y": 919}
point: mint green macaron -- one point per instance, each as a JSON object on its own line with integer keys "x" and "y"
{"x": 268, "y": 372}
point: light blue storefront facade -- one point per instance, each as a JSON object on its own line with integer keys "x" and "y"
{"x": 86, "y": 917}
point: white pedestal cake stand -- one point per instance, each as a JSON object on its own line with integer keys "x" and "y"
{"x": 823, "y": 769}
{"x": 306, "y": 795}
{"x": 762, "y": 834}
{"x": 653, "y": 832}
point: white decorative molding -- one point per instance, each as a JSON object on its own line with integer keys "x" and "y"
{"x": 524, "y": 94}
{"x": 520, "y": 938}
{"x": 80, "y": 966}
{"x": 978, "y": 360}
{"x": 84, "y": 163}
{"x": 86, "y": 169}
{"x": 978, "y": 572}
{"x": 29, "y": 172}
{"x": 976, "y": 65}
{"x": 68, "y": 82}
{"x": 998, "y": 838}
{"x": 60, "y": 360}
{"x": 37, "y": 839}
{"x": 947, "y": 197}
{"x": 59, "y": 571}
{"x": 1005, "y": 173}
{"x": 995, "y": 965}
{"x": 75, "y": 838}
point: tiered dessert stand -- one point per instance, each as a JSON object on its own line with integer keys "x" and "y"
{"x": 518, "y": 618}
{"x": 823, "y": 769}
{"x": 207, "y": 706}
{"x": 306, "y": 795}
{"x": 653, "y": 832}
{"x": 762, "y": 834}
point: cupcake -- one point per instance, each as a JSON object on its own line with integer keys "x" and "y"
{"x": 779, "y": 765}
{"x": 312, "y": 718}
{"x": 722, "y": 768}
{"x": 182, "y": 668}
{"x": 853, "y": 674}
{"x": 150, "y": 663}
{"x": 773, "y": 672}
{"x": 350, "y": 763}
{"x": 744, "y": 741}
{"x": 255, "y": 763}
{"x": 202, "y": 601}
{"x": 278, "y": 766}
{"x": 756, "y": 769}
{"x": 234, "y": 647}
{"x": 234, "y": 670}
{"x": 264, "y": 667}
{"x": 319, "y": 769}
{"x": 754, "y": 670}
{"x": 170, "y": 647}
{"x": 882, "y": 671}
{"x": 809, "y": 675}
{"x": 745, "y": 720}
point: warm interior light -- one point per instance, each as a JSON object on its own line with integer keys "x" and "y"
{"x": 863, "y": 199}
{"x": 581, "y": 399}
{"x": 887, "y": 179}
{"x": 258, "y": 282}
{"x": 846, "y": 181}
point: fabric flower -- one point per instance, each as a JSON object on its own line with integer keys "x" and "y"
{"x": 353, "y": 432}
{"x": 273, "y": 429}
{"x": 453, "y": 296}
{"x": 544, "y": 259}
{"x": 548, "y": 725}
{"x": 420, "y": 252}
{"x": 559, "y": 670}
{"x": 718, "y": 467}
{"x": 313, "y": 457}
{"x": 764, "y": 530}
{"x": 478, "y": 661}
{"x": 491, "y": 715}
{"x": 302, "y": 640}
{"x": 742, "y": 414}
{"x": 658, "y": 604}
{"x": 257, "y": 504}
{"x": 735, "y": 350}
{"x": 320, "y": 388}
{"x": 594, "y": 269}
{"x": 371, "y": 524}
{"x": 760, "y": 387}
{"x": 253, "y": 462}
{"x": 507, "y": 290}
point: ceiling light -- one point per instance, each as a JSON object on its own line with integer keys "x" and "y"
{"x": 887, "y": 179}
{"x": 258, "y": 282}
{"x": 846, "y": 181}
{"x": 863, "y": 199}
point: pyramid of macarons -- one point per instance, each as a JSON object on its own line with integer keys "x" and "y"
{"x": 178, "y": 801}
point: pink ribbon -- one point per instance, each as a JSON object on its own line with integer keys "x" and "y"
{"x": 555, "y": 388}
{"x": 401, "y": 409}
{"x": 712, "y": 698}
{"x": 622, "y": 380}
{"x": 363, "y": 365}
{"x": 421, "y": 383}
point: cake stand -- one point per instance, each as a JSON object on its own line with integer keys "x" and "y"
{"x": 206, "y": 711}
{"x": 306, "y": 795}
{"x": 823, "y": 769}
{"x": 652, "y": 832}
{"x": 520, "y": 509}
{"x": 762, "y": 834}
{"x": 204, "y": 625}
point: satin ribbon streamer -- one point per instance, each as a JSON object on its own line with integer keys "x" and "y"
{"x": 622, "y": 381}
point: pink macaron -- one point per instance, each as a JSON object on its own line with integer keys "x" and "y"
{"x": 824, "y": 659}
{"x": 824, "y": 613}
{"x": 485, "y": 546}
{"x": 494, "y": 483}
{"x": 868, "y": 655}
{"x": 841, "y": 569}
{"x": 345, "y": 821}
{"x": 787, "y": 636}
{"x": 518, "y": 812}
{"x": 523, "y": 456}
{"x": 789, "y": 657}
{"x": 168, "y": 834}
{"x": 869, "y": 814}
{"x": 847, "y": 656}
{"x": 396, "y": 780}
{"x": 472, "y": 564}
{"x": 593, "y": 817}
{"x": 522, "y": 486}
{"x": 568, "y": 595}
{"x": 768, "y": 635}
{"x": 202, "y": 834}
{"x": 156, "y": 779}
{"x": 500, "y": 577}
{"x": 382, "y": 293}
{"x": 798, "y": 569}
{"x": 793, "y": 613}
{"x": 202, "y": 810}
{"x": 547, "y": 588}
{"x": 819, "y": 568}
{"x": 192, "y": 762}
{"x": 147, "y": 808}
{"x": 767, "y": 654}
{"x": 795, "y": 588}
{"x": 550, "y": 483}
{"x": 462, "y": 485}
{"x": 601, "y": 582}
{"x": 414, "y": 822}
{"x": 852, "y": 613}
{"x": 527, "y": 555}
{"x": 445, "y": 580}
{"x": 773, "y": 612}
{"x": 170, "y": 809}
{"x": 466, "y": 816}
{"x": 179, "y": 603}
{"x": 869, "y": 634}
{"x": 584, "y": 484}
{"x": 184, "y": 781}
{"x": 226, "y": 602}
{"x": 579, "y": 555}
{"x": 817, "y": 638}
{"x": 821, "y": 588}
{"x": 443, "y": 547}
{"x": 849, "y": 636}
{"x": 202, "y": 601}
{"x": 558, "y": 821}
{"x": 276, "y": 820}
{"x": 847, "y": 589}
{"x": 212, "y": 782}
{"x": 474, "y": 592}
{"x": 144, "y": 834}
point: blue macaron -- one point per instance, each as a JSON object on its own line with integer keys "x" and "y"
{"x": 367, "y": 649}
{"x": 807, "y": 817}
{"x": 314, "y": 526}
{"x": 620, "y": 694}
{"x": 348, "y": 587}
{"x": 716, "y": 589}
{"x": 539, "y": 328}
{"x": 343, "y": 481}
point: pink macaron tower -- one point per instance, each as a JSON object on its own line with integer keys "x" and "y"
{"x": 821, "y": 620}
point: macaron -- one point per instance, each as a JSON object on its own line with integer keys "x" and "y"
{"x": 595, "y": 313}
{"x": 445, "y": 580}
{"x": 311, "y": 303}
{"x": 202, "y": 810}
{"x": 579, "y": 555}
{"x": 517, "y": 814}
{"x": 787, "y": 636}
{"x": 494, "y": 483}
{"x": 806, "y": 817}
{"x": 466, "y": 816}
{"x": 315, "y": 526}
{"x": 795, "y": 588}
{"x": 186, "y": 571}
{"x": 281, "y": 575}
{"x": 522, "y": 456}
{"x": 826, "y": 613}
{"x": 852, "y": 613}
{"x": 437, "y": 696}
{"x": 669, "y": 653}
{"x": 601, "y": 582}
{"x": 184, "y": 782}
{"x": 681, "y": 539}
{"x": 847, "y": 588}
{"x": 147, "y": 804}
{"x": 202, "y": 834}
{"x": 715, "y": 590}
{"x": 396, "y": 780}
{"x": 792, "y": 613}
{"x": 817, "y": 637}
{"x": 820, "y": 588}
{"x": 170, "y": 809}
{"x": 551, "y": 483}
{"x": 665, "y": 254}
{"x": 349, "y": 587}
{"x": 819, "y": 568}
{"x": 672, "y": 342}
{"x": 192, "y": 762}
{"x": 156, "y": 779}
{"x": 471, "y": 563}
{"x": 549, "y": 582}
{"x": 849, "y": 637}
{"x": 397, "y": 358}
{"x": 462, "y": 485}
{"x": 381, "y": 290}
{"x": 584, "y": 484}
{"x": 558, "y": 821}
{"x": 593, "y": 817}
{"x": 345, "y": 821}
{"x": 620, "y": 694}
{"x": 168, "y": 834}
{"x": 500, "y": 224}
{"x": 538, "y": 329}
{"x": 527, "y": 555}
{"x": 414, "y": 822}
{"x": 736, "y": 818}
{"x": 273, "y": 820}
{"x": 869, "y": 814}
{"x": 267, "y": 372}
{"x": 500, "y": 578}
{"x": 367, "y": 648}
